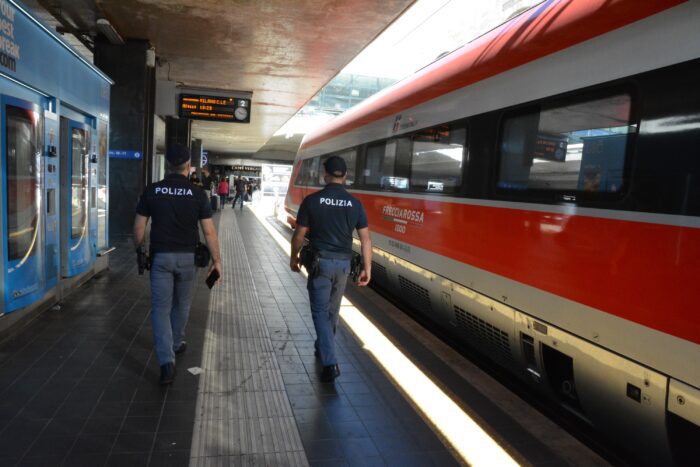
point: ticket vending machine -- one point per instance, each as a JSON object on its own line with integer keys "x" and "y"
{"x": 23, "y": 248}
{"x": 77, "y": 250}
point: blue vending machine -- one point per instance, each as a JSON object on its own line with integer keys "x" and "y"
{"x": 23, "y": 246}
{"x": 77, "y": 251}
{"x": 53, "y": 193}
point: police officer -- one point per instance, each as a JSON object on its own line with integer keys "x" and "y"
{"x": 329, "y": 217}
{"x": 175, "y": 206}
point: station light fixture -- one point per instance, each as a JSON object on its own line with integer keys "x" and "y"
{"x": 105, "y": 28}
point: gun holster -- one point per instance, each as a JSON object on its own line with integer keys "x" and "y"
{"x": 202, "y": 256}
{"x": 309, "y": 258}
{"x": 355, "y": 267}
{"x": 143, "y": 260}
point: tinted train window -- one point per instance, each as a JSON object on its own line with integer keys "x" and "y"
{"x": 302, "y": 174}
{"x": 578, "y": 147}
{"x": 386, "y": 167}
{"x": 307, "y": 172}
{"x": 23, "y": 146}
{"x": 436, "y": 163}
{"x": 320, "y": 180}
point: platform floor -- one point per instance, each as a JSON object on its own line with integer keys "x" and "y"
{"x": 79, "y": 384}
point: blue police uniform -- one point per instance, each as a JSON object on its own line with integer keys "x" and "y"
{"x": 331, "y": 215}
{"x": 175, "y": 206}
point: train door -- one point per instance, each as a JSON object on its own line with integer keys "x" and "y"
{"x": 76, "y": 247}
{"x": 22, "y": 132}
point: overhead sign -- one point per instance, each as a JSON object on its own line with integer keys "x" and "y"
{"x": 116, "y": 154}
{"x": 205, "y": 158}
{"x": 245, "y": 168}
{"x": 217, "y": 108}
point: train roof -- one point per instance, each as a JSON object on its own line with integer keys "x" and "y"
{"x": 545, "y": 29}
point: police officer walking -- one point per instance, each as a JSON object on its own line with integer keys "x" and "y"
{"x": 329, "y": 217}
{"x": 175, "y": 206}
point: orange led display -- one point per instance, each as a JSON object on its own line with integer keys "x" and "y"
{"x": 217, "y": 108}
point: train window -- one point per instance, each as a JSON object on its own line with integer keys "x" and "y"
{"x": 303, "y": 173}
{"x": 437, "y": 157}
{"x": 578, "y": 147}
{"x": 386, "y": 165}
{"x": 312, "y": 179}
{"x": 24, "y": 131}
{"x": 320, "y": 178}
{"x": 307, "y": 172}
{"x": 78, "y": 182}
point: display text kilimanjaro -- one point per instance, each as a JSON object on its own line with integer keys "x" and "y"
{"x": 406, "y": 214}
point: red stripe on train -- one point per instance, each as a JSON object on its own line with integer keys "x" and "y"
{"x": 642, "y": 272}
{"x": 546, "y": 29}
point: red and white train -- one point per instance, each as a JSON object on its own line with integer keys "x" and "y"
{"x": 537, "y": 194}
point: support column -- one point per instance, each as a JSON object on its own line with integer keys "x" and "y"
{"x": 131, "y": 127}
{"x": 178, "y": 130}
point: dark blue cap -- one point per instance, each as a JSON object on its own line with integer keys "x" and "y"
{"x": 335, "y": 166}
{"x": 177, "y": 154}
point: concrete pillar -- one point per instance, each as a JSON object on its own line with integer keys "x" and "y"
{"x": 178, "y": 130}
{"x": 131, "y": 127}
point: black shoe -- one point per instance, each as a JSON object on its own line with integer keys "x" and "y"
{"x": 181, "y": 349}
{"x": 330, "y": 373}
{"x": 167, "y": 373}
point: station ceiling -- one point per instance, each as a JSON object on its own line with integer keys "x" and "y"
{"x": 283, "y": 51}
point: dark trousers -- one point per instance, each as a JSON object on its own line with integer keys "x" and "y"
{"x": 238, "y": 196}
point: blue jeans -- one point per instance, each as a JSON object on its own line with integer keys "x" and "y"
{"x": 325, "y": 294}
{"x": 172, "y": 280}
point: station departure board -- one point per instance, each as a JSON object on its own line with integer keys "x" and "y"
{"x": 217, "y": 108}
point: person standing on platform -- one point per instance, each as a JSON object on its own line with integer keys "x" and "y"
{"x": 175, "y": 206}
{"x": 329, "y": 217}
{"x": 239, "y": 184}
{"x": 222, "y": 191}
{"x": 206, "y": 181}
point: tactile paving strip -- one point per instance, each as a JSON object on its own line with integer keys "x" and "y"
{"x": 243, "y": 414}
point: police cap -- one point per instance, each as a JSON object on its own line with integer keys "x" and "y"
{"x": 335, "y": 166}
{"x": 177, "y": 154}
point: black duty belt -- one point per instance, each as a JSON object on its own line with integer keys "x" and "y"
{"x": 334, "y": 255}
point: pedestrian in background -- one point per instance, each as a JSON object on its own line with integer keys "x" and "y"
{"x": 239, "y": 184}
{"x": 222, "y": 190}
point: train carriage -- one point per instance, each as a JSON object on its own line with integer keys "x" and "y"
{"x": 537, "y": 194}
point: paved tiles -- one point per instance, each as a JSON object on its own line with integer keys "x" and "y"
{"x": 78, "y": 386}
